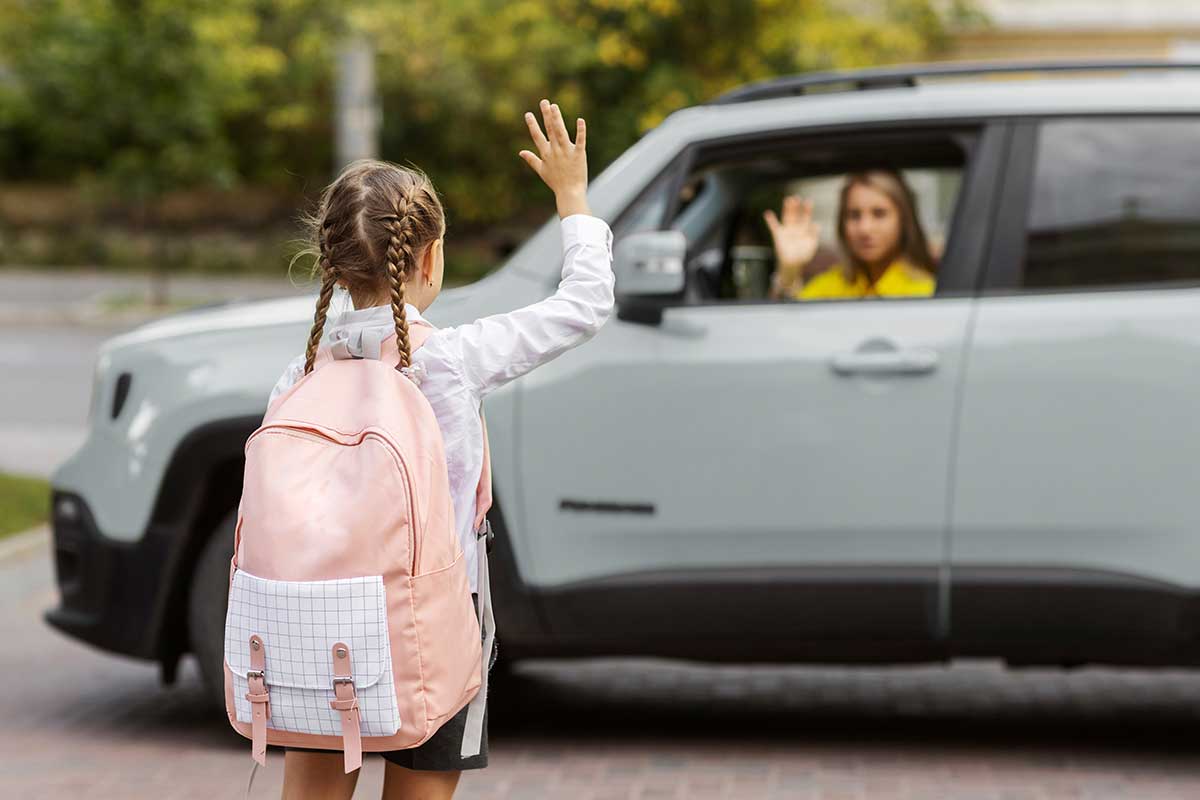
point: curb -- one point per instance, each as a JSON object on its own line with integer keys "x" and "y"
{"x": 20, "y": 543}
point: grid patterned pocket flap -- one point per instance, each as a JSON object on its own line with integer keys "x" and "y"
{"x": 299, "y": 622}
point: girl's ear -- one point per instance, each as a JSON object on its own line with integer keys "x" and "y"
{"x": 429, "y": 260}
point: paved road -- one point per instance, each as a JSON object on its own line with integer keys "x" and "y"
{"x": 75, "y": 723}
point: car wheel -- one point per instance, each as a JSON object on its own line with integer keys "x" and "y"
{"x": 207, "y": 600}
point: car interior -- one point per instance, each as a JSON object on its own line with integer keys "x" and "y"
{"x": 720, "y": 205}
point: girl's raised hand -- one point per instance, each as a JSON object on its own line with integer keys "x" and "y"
{"x": 560, "y": 163}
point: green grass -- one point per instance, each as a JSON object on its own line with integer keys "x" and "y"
{"x": 24, "y": 503}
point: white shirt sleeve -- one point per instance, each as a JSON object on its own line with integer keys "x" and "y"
{"x": 497, "y": 349}
{"x": 293, "y": 373}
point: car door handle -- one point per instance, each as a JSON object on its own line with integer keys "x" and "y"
{"x": 884, "y": 358}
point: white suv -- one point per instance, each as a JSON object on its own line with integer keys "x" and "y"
{"x": 1003, "y": 469}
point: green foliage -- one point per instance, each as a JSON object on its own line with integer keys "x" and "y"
{"x": 146, "y": 96}
{"x": 152, "y": 95}
{"x": 24, "y": 503}
{"x": 457, "y": 77}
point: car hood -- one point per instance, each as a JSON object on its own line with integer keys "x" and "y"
{"x": 285, "y": 311}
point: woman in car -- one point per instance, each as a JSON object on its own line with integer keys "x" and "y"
{"x": 884, "y": 250}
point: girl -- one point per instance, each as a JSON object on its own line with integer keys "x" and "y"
{"x": 378, "y": 232}
{"x": 884, "y": 248}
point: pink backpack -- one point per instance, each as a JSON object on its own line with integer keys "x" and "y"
{"x": 350, "y": 624}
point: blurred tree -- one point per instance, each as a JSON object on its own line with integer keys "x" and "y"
{"x": 136, "y": 98}
{"x": 155, "y": 94}
{"x": 457, "y": 76}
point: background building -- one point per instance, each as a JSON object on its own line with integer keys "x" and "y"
{"x": 1083, "y": 29}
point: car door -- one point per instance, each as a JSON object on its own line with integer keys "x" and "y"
{"x": 1075, "y": 517}
{"x": 744, "y": 477}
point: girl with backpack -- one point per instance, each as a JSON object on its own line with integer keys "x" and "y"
{"x": 349, "y": 628}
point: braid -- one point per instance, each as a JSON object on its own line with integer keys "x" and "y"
{"x": 370, "y": 227}
{"x": 399, "y": 259}
{"x": 328, "y": 278}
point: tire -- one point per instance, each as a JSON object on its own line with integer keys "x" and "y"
{"x": 208, "y": 597}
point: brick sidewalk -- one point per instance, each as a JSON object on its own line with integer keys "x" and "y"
{"x": 78, "y": 724}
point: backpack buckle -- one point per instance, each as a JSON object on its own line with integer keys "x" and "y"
{"x": 486, "y": 530}
{"x": 255, "y": 673}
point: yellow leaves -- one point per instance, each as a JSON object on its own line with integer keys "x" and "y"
{"x": 453, "y": 76}
{"x": 650, "y": 119}
{"x": 673, "y": 100}
{"x": 230, "y": 36}
{"x": 504, "y": 109}
{"x": 295, "y": 116}
{"x": 846, "y": 42}
{"x": 615, "y": 50}
{"x": 617, "y": 5}
{"x": 610, "y": 49}
{"x": 526, "y": 11}
{"x": 263, "y": 61}
{"x": 224, "y": 28}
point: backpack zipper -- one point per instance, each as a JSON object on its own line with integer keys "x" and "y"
{"x": 310, "y": 430}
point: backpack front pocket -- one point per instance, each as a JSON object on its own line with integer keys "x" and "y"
{"x": 298, "y": 623}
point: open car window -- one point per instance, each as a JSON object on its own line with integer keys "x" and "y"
{"x": 723, "y": 197}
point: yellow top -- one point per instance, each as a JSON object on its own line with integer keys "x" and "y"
{"x": 901, "y": 279}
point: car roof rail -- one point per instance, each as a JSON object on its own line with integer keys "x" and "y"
{"x": 908, "y": 75}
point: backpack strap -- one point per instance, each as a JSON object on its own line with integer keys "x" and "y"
{"x": 418, "y": 334}
{"x": 345, "y": 702}
{"x": 483, "y": 492}
{"x": 260, "y": 700}
{"x": 473, "y": 728}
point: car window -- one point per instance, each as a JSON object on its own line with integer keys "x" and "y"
{"x": 752, "y": 256}
{"x": 647, "y": 211}
{"x": 732, "y": 255}
{"x": 1114, "y": 202}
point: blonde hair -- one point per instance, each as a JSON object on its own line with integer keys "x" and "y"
{"x": 371, "y": 225}
{"x": 913, "y": 246}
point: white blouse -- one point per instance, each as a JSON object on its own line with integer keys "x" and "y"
{"x": 461, "y": 365}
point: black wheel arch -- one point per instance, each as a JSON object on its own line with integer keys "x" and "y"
{"x": 201, "y": 486}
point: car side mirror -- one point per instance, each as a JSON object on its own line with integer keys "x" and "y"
{"x": 650, "y": 264}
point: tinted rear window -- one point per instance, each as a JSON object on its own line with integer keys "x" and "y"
{"x": 1115, "y": 202}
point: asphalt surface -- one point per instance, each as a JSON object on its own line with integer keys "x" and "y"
{"x": 77, "y": 723}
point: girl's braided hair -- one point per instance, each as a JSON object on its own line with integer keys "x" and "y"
{"x": 371, "y": 226}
